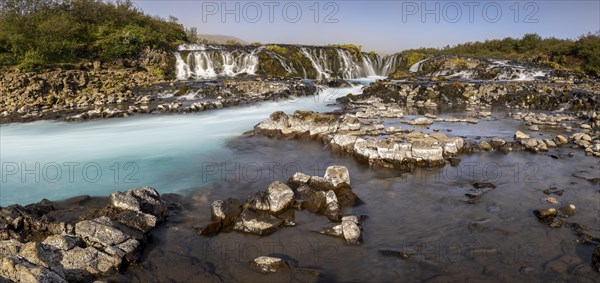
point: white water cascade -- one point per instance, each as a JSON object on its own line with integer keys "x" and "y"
{"x": 416, "y": 67}
{"x": 318, "y": 59}
{"x": 206, "y": 62}
{"x": 199, "y": 61}
{"x": 389, "y": 64}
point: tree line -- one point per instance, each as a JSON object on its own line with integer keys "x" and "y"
{"x": 582, "y": 54}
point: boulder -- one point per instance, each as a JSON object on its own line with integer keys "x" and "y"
{"x": 267, "y": 264}
{"x": 349, "y": 229}
{"x": 257, "y": 222}
{"x": 497, "y": 142}
{"x": 351, "y": 232}
{"x": 316, "y": 203}
{"x": 61, "y": 242}
{"x": 521, "y": 136}
{"x": 79, "y": 263}
{"x": 258, "y": 201}
{"x": 483, "y": 145}
{"x": 420, "y": 121}
{"x": 136, "y": 220}
{"x": 337, "y": 175}
{"x": 332, "y": 207}
{"x": 280, "y": 197}
{"x": 567, "y": 210}
{"x": 543, "y": 214}
{"x": 143, "y": 200}
{"x": 225, "y": 211}
{"x": 560, "y": 140}
{"x": 105, "y": 231}
{"x": 19, "y": 270}
{"x": 298, "y": 180}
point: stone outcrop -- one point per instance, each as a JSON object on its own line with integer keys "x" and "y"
{"x": 347, "y": 133}
{"x": 525, "y": 95}
{"x": 37, "y": 248}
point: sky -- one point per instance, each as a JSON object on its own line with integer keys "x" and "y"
{"x": 381, "y": 26}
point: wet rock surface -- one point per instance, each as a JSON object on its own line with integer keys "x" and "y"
{"x": 37, "y": 246}
{"x": 265, "y": 212}
{"x": 266, "y": 264}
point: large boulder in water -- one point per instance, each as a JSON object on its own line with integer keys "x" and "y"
{"x": 349, "y": 229}
{"x": 143, "y": 199}
{"x": 280, "y": 197}
{"x": 337, "y": 175}
{"x": 225, "y": 211}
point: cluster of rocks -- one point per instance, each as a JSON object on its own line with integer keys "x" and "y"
{"x": 266, "y": 211}
{"x": 365, "y": 139}
{"x": 533, "y": 119}
{"x": 552, "y": 216}
{"x": 36, "y": 246}
{"x": 527, "y": 95}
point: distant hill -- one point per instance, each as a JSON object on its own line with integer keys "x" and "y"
{"x": 219, "y": 39}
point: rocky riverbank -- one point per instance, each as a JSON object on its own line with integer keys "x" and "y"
{"x": 79, "y": 240}
{"x": 146, "y": 97}
{"x": 537, "y": 95}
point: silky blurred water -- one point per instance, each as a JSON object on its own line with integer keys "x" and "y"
{"x": 56, "y": 160}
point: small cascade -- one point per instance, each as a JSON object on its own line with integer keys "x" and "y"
{"x": 369, "y": 65}
{"x": 416, "y": 67}
{"x": 390, "y": 63}
{"x": 348, "y": 67}
{"x": 318, "y": 61}
{"x": 513, "y": 72}
{"x": 287, "y": 67}
{"x": 183, "y": 69}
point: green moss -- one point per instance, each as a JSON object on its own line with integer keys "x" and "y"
{"x": 412, "y": 58}
{"x": 159, "y": 73}
{"x": 355, "y": 50}
{"x": 278, "y": 49}
{"x": 459, "y": 63}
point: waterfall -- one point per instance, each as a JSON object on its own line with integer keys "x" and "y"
{"x": 390, "y": 63}
{"x": 201, "y": 61}
{"x": 206, "y": 62}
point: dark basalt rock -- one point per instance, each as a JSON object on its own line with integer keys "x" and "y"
{"x": 102, "y": 242}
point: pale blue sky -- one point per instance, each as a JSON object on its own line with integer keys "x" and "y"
{"x": 383, "y": 26}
